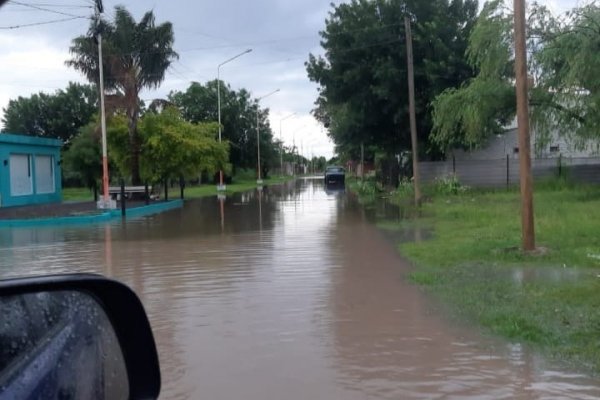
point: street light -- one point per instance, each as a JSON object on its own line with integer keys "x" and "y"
{"x": 259, "y": 180}
{"x": 294, "y": 149}
{"x": 221, "y": 187}
{"x": 105, "y": 202}
{"x": 281, "y": 141}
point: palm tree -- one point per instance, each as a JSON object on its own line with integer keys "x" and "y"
{"x": 135, "y": 56}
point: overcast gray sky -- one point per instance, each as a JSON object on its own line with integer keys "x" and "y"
{"x": 281, "y": 33}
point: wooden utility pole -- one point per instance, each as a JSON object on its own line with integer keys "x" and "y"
{"x": 411, "y": 106}
{"x": 528, "y": 232}
{"x": 362, "y": 161}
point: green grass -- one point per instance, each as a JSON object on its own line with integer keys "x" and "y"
{"x": 239, "y": 185}
{"x": 550, "y": 300}
{"x": 77, "y": 194}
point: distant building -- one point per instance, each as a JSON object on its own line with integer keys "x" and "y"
{"x": 507, "y": 144}
{"x": 29, "y": 170}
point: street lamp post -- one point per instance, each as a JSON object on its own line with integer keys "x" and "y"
{"x": 281, "y": 140}
{"x": 105, "y": 202}
{"x": 221, "y": 186}
{"x": 294, "y": 149}
{"x": 259, "y": 180}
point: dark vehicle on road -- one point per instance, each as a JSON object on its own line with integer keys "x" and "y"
{"x": 335, "y": 176}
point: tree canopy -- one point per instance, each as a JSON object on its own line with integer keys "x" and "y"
{"x": 59, "y": 115}
{"x": 170, "y": 146}
{"x": 82, "y": 161}
{"x": 198, "y": 103}
{"x": 362, "y": 76}
{"x": 135, "y": 56}
{"x": 564, "y": 85}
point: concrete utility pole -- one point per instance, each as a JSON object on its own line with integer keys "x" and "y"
{"x": 105, "y": 202}
{"x": 281, "y": 141}
{"x": 527, "y": 227}
{"x": 259, "y": 181}
{"x": 411, "y": 106}
{"x": 221, "y": 187}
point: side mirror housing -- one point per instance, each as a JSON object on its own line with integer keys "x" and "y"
{"x": 81, "y": 335}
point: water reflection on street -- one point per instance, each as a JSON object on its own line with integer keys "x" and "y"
{"x": 288, "y": 293}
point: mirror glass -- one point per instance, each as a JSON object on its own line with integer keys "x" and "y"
{"x": 59, "y": 345}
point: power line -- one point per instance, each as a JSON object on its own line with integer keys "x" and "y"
{"x": 56, "y": 5}
{"x": 45, "y": 9}
{"x": 55, "y": 21}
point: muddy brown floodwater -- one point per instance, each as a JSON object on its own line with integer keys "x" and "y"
{"x": 289, "y": 293}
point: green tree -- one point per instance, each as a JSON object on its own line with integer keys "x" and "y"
{"x": 566, "y": 97}
{"x": 135, "y": 56}
{"x": 59, "y": 115}
{"x": 174, "y": 148}
{"x": 238, "y": 117}
{"x": 170, "y": 146}
{"x": 83, "y": 160}
{"x": 362, "y": 77}
{"x": 564, "y": 93}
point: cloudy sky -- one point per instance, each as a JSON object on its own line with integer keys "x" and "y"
{"x": 281, "y": 34}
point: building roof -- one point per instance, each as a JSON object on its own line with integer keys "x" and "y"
{"x": 29, "y": 140}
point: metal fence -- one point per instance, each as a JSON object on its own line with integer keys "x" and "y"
{"x": 496, "y": 173}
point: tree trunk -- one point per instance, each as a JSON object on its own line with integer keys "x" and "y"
{"x": 134, "y": 145}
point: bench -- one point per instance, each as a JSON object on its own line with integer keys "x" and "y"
{"x": 115, "y": 191}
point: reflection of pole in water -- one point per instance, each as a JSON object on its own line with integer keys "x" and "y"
{"x": 260, "y": 209}
{"x": 221, "y": 198}
{"x": 108, "y": 251}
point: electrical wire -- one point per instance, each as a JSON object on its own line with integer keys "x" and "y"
{"x": 45, "y": 9}
{"x": 55, "y": 21}
{"x": 55, "y": 5}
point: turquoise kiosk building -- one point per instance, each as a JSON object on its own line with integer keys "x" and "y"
{"x": 29, "y": 170}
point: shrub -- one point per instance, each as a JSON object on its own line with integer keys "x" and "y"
{"x": 449, "y": 185}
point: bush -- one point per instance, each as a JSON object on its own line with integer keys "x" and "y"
{"x": 244, "y": 175}
{"x": 449, "y": 185}
{"x": 367, "y": 187}
{"x": 405, "y": 188}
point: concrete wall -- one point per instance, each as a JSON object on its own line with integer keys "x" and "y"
{"x": 497, "y": 173}
{"x": 29, "y": 170}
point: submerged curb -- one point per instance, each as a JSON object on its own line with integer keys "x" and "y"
{"x": 92, "y": 219}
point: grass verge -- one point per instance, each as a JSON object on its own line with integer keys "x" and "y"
{"x": 83, "y": 194}
{"x": 551, "y": 299}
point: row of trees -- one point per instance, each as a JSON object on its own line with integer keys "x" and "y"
{"x": 363, "y": 76}
{"x": 464, "y": 74}
{"x": 169, "y": 138}
{"x": 170, "y": 148}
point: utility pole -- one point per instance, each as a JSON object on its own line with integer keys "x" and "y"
{"x": 105, "y": 202}
{"x": 411, "y": 106}
{"x": 362, "y": 161}
{"x": 528, "y": 233}
{"x": 259, "y": 181}
{"x": 294, "y": 158}
{"x": 221, "y": 186}
{"x": 281, "y": 141}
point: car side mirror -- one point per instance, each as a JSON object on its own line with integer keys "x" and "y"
{"x": 75, "y": 336}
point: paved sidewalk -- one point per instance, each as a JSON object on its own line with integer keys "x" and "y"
{"x": 66, "y": 209}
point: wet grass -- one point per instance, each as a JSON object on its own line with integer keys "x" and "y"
{"x": 77, "y": 194}
{"x": 83, "y": 194}
{"x": 237, "y": 186}
{"x": 550, "y": 299}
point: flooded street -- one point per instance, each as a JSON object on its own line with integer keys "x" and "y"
{"x": 289, "y": 293}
